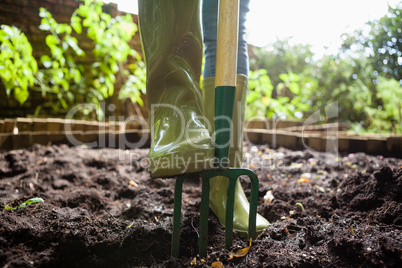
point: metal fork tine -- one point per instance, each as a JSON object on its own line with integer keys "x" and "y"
{"x": 232, "y": 174}
{"x": 229, "y": 212}
{"x": 204, "y": 217}
{"x": 177, "y": 216}
{"x": 252, "y": 232}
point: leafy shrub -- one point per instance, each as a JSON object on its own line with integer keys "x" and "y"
{"x": 387, "y": 116}
{"x": 292, "y": 95}
{"x": 62, "y": 78}
{"x": 17, "y": 66}
{"x": 78, "y": 83}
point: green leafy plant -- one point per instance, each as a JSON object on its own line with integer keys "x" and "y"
{"x": 282, "y": 57}
{"x": 390, "y": 93}
{"x": 61, "y": 76}
{"x": 111, "y": 37}
{"x": 17, "y": 66}
{"x": 68, "y": 76}
{"x": 135, "y": 83}
{"x": 363, "y": 78}
{"x": 385, "y": 117}
{"x": 385, "y": 41}
{"x": 290, "y": 102}
{"x": 24, "y": 204}
{"x": 74, "y": 83}
{"x": 299, "y": 89}
{"x": 260, "y": 93}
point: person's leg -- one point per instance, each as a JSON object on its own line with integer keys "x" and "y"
{"x": 171, "y": 39}
{"x": 218, "y": 193}
{"x": 210, "y": 23}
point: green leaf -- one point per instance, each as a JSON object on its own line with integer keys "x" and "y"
{"x": 21, "y": 95}
{"x": 294, "y": 88}
{"x": 8, "y": 207}
{"x": 46, "y": 61}
{"x": 51, "y": 41}
{"x": 34, "y": 200}
{"x": 10, "y": 31}
{"x": 24, "y": 204}
{"x": 43, "y": 12}
{"x": 76, "y": 24}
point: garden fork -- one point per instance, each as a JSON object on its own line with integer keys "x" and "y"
{"x": 225, "y": 90}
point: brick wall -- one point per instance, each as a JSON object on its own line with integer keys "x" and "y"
{"x": 24, "y": 14}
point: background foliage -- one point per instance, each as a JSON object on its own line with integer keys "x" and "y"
{"x": 364, "y": 78}
{"x": 286, "y": 80}
{"x": 61, "y": 77}
{"x": 17, "y": 66}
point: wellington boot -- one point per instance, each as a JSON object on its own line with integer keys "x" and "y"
{"x": 172, "y": 44}
{"x": 218, "y": 194}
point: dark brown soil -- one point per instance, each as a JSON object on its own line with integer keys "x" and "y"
{"x": 93, "y": 216}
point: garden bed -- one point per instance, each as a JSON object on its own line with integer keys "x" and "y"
{"x": 101, "y": 209}
{"x": 24, "y": 132}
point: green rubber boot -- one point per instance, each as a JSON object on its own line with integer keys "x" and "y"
{"x": 218, "y": 194}
{"x": 172, "y": 44}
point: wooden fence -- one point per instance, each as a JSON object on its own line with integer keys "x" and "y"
{"x": 24, "y": 132}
